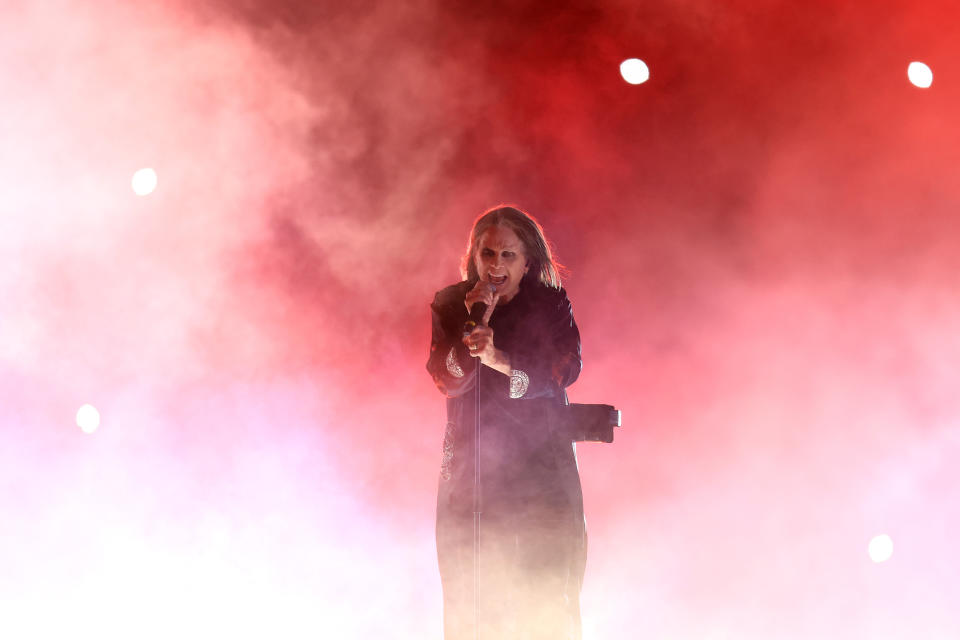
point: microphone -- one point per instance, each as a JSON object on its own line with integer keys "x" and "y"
{"x": 477, "y": 312}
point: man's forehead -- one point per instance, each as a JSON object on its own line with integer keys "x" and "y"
{"x": 493, "y": 240}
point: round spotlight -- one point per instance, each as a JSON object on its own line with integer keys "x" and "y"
{"x": 635, "y": 71}
{"x": 880, "y": 548}
{"x": 920, "y": 75}
{"x": 88, "y": 418}
{"x": 144, "y": 181}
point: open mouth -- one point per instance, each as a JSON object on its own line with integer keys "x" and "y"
{"x": 496, "y": 280}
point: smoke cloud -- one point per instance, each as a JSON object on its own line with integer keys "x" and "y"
{"x": 763, "y": 248}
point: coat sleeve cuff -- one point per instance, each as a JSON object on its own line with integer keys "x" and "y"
{"x": 519, "y": 383}
{"x": 453, "y": 367}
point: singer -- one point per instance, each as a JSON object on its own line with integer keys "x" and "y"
{"x": 511, "y": 315}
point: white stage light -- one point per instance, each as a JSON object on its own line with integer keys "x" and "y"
{"x": 920, "y": 75}
{"x": 634, "y": 71}
{"x": 881, "y": 548}
{"x": 88, "y": 418}
{"x": 144, "y": 181}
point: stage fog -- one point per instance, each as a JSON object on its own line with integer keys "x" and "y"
{"x": 763, "y": 249}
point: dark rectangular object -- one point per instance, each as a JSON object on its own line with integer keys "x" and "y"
{"x": 586, "y": 422}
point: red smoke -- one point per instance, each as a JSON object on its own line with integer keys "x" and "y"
{"x": 763, "y": 246}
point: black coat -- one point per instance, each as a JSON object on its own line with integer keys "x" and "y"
{"x": 530, "y": 488}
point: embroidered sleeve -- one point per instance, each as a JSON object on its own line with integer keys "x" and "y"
{"x": 519, "y": 382}
{"x": 446, "y": 462}
{"x": 452, "y": 365}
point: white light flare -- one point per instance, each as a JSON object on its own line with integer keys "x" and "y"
{"x": 144, "y": 181}
{"x": 880, "y": 548}
{"x": 88, "y": 418}
{"x": 634, "y": 71}
{"x": 920, "y": 75}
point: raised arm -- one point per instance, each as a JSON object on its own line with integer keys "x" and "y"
{"x": 450, "y": 365}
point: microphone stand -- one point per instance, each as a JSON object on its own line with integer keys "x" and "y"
{"x": 476, "y": 505}
{"x": 474, "y": 321}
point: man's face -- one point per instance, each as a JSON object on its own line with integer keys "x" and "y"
{"x": 501, "y": 260}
